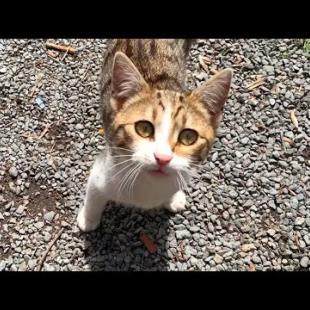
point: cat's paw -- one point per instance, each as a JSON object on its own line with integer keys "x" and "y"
{"x": 178, "y": 202}
{"x": 86, "y": 224}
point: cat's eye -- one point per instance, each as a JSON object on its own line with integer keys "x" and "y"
{"x": 188, "y": 136}
{"x": 144, "y": 128}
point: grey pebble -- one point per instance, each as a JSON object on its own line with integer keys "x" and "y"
{"x": 182, "y": 234}
{"x": 49, "y": 216}
{"x": 39, "y": 225}
{"x": 299, "y": 221}
{"x": 13, "y": 172}
{"x": 304, "y": 262}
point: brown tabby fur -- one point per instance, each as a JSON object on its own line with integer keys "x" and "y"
{"x": 162, "y": 64}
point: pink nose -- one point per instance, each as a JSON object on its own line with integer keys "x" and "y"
{"x": 162, "y": 159}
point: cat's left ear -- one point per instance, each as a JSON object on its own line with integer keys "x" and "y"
{"x": 213, "y": 94}
{"x": 126, "y": 79}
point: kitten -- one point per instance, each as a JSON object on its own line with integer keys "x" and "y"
{"x": 157, "y": 132}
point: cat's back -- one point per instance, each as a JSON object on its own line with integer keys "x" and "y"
{"x": 160, "y": 61}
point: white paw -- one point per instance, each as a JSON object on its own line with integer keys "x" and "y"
{"x": 178, "y": 202}
{"x": 85, "y": 224}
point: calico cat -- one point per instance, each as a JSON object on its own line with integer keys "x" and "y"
{"x": 156, "y": 130}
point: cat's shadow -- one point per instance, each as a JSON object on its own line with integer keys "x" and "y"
{"x": 117, "y": 244}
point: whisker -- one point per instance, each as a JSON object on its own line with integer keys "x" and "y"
{"x": 119, "y": 148}
{"x": 127, "y": 166}
{"x": 126, "y": 178}
{"x": 117, "y": 164}
{"x": 135, "y": 175}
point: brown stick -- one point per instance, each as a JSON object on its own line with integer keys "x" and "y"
{"x": 44, "y": 131}
{"x": 48, "y": 248}
{"x": 62, "y": 48}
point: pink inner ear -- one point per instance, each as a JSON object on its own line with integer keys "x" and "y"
{"x": 126, "y": 79}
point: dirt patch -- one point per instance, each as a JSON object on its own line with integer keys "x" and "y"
{"x": 57, "y": 137}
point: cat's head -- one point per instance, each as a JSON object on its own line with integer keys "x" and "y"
{"x": 163, "y": 130}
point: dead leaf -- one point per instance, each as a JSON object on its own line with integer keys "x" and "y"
{"x": 149, "y": 244}
{"x": 29, "y": 136}
{"x": 52, "y": 54}
{"x": 204, "y": 62}
{"x": 294, "y": 119}
{"x": 180, "y": 256}
{"x": 237, "y": 59}
{"x": 285, "y": 139}
{"x": 101, "y": 131}
{"x": 213, "y": 71}
{"x": 259, "y": 81}
{"x": 44, "y": 131}
{"x": 252, "y": 267}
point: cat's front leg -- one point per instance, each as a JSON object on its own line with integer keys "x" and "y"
{"x": 177, "y": 202}
{"x": 89, "y": 216}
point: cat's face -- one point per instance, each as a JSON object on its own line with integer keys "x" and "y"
{"x": 165, "y": 131}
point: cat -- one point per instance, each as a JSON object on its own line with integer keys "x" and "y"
{"x": 157, "y": 132}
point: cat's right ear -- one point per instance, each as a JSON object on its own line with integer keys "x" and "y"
{"x": 126, "y": 79}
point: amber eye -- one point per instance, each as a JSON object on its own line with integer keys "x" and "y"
{"x": 144, "y": 128}
{"x": 188, "y": 136}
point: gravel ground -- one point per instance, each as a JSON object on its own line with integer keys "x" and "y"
{"x": 249, "y": 209}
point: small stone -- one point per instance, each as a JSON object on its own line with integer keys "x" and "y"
{"x": 307, "y": 239}
{"x": 308, "y": 221}
{"x": 1, "y": 216}
{"x": 295, "y": 165}
{"x": 47, "y": 237}
{"x": 294, "y": 202}
{"x": 32, "y": 264}
{"x": 218, "y": 259}
{"x": 225, "y": 215}
{"x": 249, "y": 183}
{"x": 39, "y": 225}
{"x": 79, "y": 127}
{"x": 238, "y": 154}
{"x": 182, "y": 234}
{"x": 271, "y": 204}
{"x": 233, "y": 193}
{"x": 304, "y": 262}
{"x": 2, "y": 70}
{"x": 13, "y": 172}
{"x": 268, "y": 69}
{"x": 248, "y": 203}
{"x": 271, "y": 232}
{"x": 247, "y": 247}
{"x": 20, "y": 210}
{"x": 283, "y": 164}
{"x": 194, "y": 229}
{"x": 210, "y": 227}
{"x": 49, "y": 216}
{"x": 290, "y": 135}
{"x": 64, "y": 224}
{"x": 245, "y": 228}
{"x": 22, "y": 266}
{"x": 2, "y": 265}
{"x": 245, "y": 140}
{"x": 299, "y": 221}
{"x": 256, "y": 259}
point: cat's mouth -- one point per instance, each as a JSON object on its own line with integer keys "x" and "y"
{"x": 158, "y": 172}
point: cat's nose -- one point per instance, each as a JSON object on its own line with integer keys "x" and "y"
{"x": 162, "y": 159}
